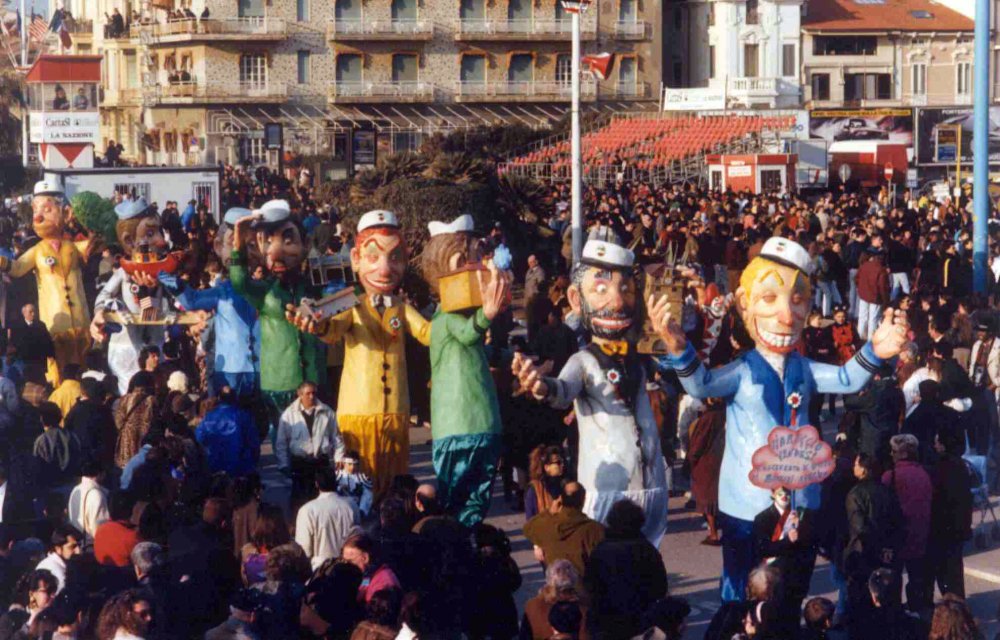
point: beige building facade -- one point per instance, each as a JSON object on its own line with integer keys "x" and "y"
{"x": 343, "y": 75}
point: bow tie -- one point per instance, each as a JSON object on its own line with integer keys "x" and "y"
{"x": 614, "y": 347}
{"x": 379, "y": 299}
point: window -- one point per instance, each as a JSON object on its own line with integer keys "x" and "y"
{"x": 770, "y": 180}
{"x": 922, "y": 14}
{"x": 349, "y": 68}
{"x": 404, "y": 68}
{"x": 473, "y": 70}
{"x": 131, "y": 70}
{"x": 302, "y": 10}
{"x": 305, "y": 72}
{"x": 711, "y": 61}
{"x": 788, "y": 66}
{"x": 845, "y": 45}
{"x": 347, "y": 11}
{"x": 404, "y": 10}
{"x": 204, "y": 192}
{"x": 750, "y": 59}
{"x": 133, "y": 190}
{"x": 472, "y": 11}
{"x": 626, "y": 10}
{"x": 253, "y": 69}
{"x": 867, "y": 86}
{"x": 752, "y": 17}
{"x": 821, "y": 86}
{"x": 521, "y": 69}
{"x": 711, "y": 14}
{"x": 564, "y": 69}
{"x": 963, "y": 81}
{"x": 627, "y": 75}
{"x": 250, "y": 8}
{"x": 519, "y": 11}
{"x": 918, "y": 79}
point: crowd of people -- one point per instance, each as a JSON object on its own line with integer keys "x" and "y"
{"x": 135, "y": 503}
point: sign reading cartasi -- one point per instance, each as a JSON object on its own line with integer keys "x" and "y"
{"x": 54, "y": 127}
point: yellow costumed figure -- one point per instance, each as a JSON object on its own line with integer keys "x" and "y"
{"x": 373, "y": 409}
{"x": 58, "y": 264}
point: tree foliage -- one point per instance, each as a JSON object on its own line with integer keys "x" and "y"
{"x": 96, "y": 214}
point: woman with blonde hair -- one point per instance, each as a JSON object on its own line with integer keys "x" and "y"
{"x": 562, "y": 584}
{"x": 953, "y": 621}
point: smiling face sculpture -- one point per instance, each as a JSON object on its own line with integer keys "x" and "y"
{"x": 603, "y": 291}
{"x": 773, "y": 299}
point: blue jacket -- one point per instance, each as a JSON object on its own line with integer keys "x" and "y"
{"x": 230, "y": 439}
{"x": 756, "y": 402}
{"x": 237, "y": 329}
{"x": 187, "y": 216}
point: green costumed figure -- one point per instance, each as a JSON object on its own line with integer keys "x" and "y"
{"x": 465, "y": 414}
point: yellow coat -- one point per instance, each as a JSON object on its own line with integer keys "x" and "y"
{"x": 374, "y": 378}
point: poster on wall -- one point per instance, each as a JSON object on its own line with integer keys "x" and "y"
{"x": 930, "y": 120}
{"x": 840, "y": 125}
{"x": 363, "y": 147}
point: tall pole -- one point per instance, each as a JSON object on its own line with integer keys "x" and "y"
{"x": 577, "y": 165}
{"x": 980, "y": 147}
{"x": 24, "y": 93}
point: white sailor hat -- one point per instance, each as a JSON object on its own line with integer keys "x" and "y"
{"x": 378, "y": 218}
{"x": 461, "y": 224}
{"x": 48, "y": 188}
{"x": 601, "y": 253}
{"x": 235, "y": 214}
{"x": 128, "y": 209}
{"x": 786, "y": 252}
{"x": 274, "y": 211}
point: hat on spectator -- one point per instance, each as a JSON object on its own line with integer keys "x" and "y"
{"x": 378, "y": 218}
{"x": 786, "y": 252}
{"x": 48, "y": 188}
{"x": 461, "y": 224}
{"x": 985, "y": 325}
{"x": 128, "y": 209}
{"x": 235, "y": 214}
{"x": 601, "y": 253}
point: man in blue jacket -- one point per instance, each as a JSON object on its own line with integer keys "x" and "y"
{"x": 767, "y": 386}
{"x": 229, "y": 437}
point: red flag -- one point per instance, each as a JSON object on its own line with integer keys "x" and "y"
{"x": 64, "y": 39}
{"x": 598, "y": 64}
{"x": 38, "y": 29}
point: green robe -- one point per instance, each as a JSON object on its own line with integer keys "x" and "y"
{"x": 287, "y": 357}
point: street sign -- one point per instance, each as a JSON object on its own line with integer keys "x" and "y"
{"x": 888, "y": 172}
{"x": 946, "y": 141}
{"x": 844, "y": 172}
{"x": 911, "y": 179}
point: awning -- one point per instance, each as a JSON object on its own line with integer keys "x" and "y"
{"x": 293, "y": 117}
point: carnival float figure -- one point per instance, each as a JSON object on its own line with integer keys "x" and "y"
{"x": 235, "y": 323}
{"x": 764, "y": 387}
{"x": 131, "y": 308}
{"x": 620, "y": 455}
{"x": 465, "y": 413}
{"x": 373, "y": 408}
{"x": 287, "y": 357}
{"x": 58, "y": 265}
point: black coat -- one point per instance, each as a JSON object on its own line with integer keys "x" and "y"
{"x": 93, "y": 424}
{"x": 875, "y": 525}
{"x": 33, "y": 343}
{"x": 951, "y": 507}
{"x": 623, "y": 577}
{"x": 927, "y": 419}
{"x": 796, "y": 559}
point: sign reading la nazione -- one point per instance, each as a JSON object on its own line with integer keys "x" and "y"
{"x": 80, "y": 128}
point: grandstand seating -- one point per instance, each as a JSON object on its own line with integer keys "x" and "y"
{"x": 647, "y": 143}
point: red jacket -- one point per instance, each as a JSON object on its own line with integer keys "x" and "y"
{"x": 873, "y": 282}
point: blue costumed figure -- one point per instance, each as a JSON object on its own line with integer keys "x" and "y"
{"x": 763, "y": 387}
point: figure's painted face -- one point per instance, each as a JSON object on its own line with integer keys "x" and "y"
{"x": 150, "y": 232}
{"x": 281, "y": 249}
{"x": 606, "y": 302}
{"x": 48, "y": 217}
{"x": 380, "y": 262}
{"x": 775, "y": 307}
{"x": 782, "y": 497}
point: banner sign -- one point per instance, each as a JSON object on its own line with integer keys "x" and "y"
{"x": 887, "y": 125}
{"x": 793, "y": 459}
{"x": 930, "y": 122}
{"x": 55, "y": 127}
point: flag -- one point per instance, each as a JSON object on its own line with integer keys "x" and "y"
{"x": 64, "y": 39}
{"x": 56, "y": 21}
{"x": 598, "y": 64}
{"x": 58, "y": 25}
{"x": 575, "y": 6}
{"x": 38, "y": 29}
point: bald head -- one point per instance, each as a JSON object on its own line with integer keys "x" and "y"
{"x": 426, "y": 499}
{"x": 573, "y": 495}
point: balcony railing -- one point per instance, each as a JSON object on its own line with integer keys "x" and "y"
{"x": 82, "y": 27}
{"x": 216, "y": 93}
{"x": 631, "y": 30}
{"x": 263, "y": 27}
{"x": 762, "y": 87}
{"x": 625, "y": 90}
{"x": 532, "y": 91}
{"x": 403, "y": 91}
{"x": 515, "y": 29}
{"x": 121, "y": 97}
{"x": 386, "y": 29}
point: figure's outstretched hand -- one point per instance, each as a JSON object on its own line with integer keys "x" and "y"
{"x": 495, "y": 292}
{"x": 890, "y": 337}
{"x": 241, "y": 231}
{"x": 529, "y": 375}
{"x": 144, "y": 280}
{"x": 97, "y": 328}
{"x": 314, "y": 323}
{"x": 170, "y": 282}
{"x": 664, "y": 324}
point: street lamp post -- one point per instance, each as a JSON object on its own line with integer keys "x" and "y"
{"x": 576, "y": 9}
{"x": 980, "y": 148}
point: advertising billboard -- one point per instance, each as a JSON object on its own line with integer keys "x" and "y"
{"x": 65, "y": 127}
{"x": 885, "y": 125}
{"x": 932, "y": 121}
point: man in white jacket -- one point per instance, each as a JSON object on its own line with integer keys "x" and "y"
{"x": 308, "y": 438}
{"x": 88, "y": 503}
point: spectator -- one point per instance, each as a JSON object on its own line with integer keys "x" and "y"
{"x": 65, "y": 543}
{"x": 885, "y": 618}
{"x": 308, "y": 439}
{"x": 326, "y": 522}
{"x": 287, "y": 571}
{"x": 706, "y": 444}
{"x": 32, "y": 344}
{"x": 116, "y": 537}
{"x": 547, "y": 467}
{"x": 565, "y": 619}
{"x": 381, "y": 615}
{"x": 565, "y": 532}
{"x": 818, "y": 617}
{"x": 126, "y": 616}
{"x": 57, "y": 452}
{"x": 229, "y": 437}
{"x": 951, "y": 514}
{"x": 361, "y": 551}
{"x": 498, "y": 578}
{"x": 244, "y": 610}
{"x": 68, "y": 391}
{"x": 88, "y": 502}
{"x": 953, "y": 621}
{"x": 562, "y": 584}
{"x": 929, "y": 418}
{"x": 270, "y": 532}
{"x": 133, "y": 417}
{"x": 873, "y": 293}
{"x": 534, "y": 286}
{"x": 92, "y": 422}
{"x": 625, "y": 574}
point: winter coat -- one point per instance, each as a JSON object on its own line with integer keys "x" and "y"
{"x": 624, "y": 577}
{"x": 912, "y": 487}
{"x": 951, "y": 504}
{"x": 133, "y": 416}
{"x": 873, "y": 282}
{"x": 874, "y": 523}
{"x": 567, "y": 535}
{"x": 230, "y": 440}
{"x": 294, "y": 438}
{"x": 795, "y": 560}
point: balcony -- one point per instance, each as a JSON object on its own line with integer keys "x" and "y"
{"x": 249, "y": 30}
{"x": 624, "y": 90}
{"x": 393, "y": 30}
{"x": 195, "y": 93}
{"x": 520, "y": 30}
{"x": 121, "y": 98}
{"x": 521, "y": 91}
{"x": 632, "y": 30}
{"x": 387, "y": 92}
{"x": 772, "y": 93}
{"x": 79, "y": 28}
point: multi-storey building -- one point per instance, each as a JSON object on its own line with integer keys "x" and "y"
{"x": 733, "y": 54}
{"x": 348, "y": 77}
{"x": 885, "y": 53}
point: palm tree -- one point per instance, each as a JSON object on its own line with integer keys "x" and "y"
{"x": 458, "y": 168}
